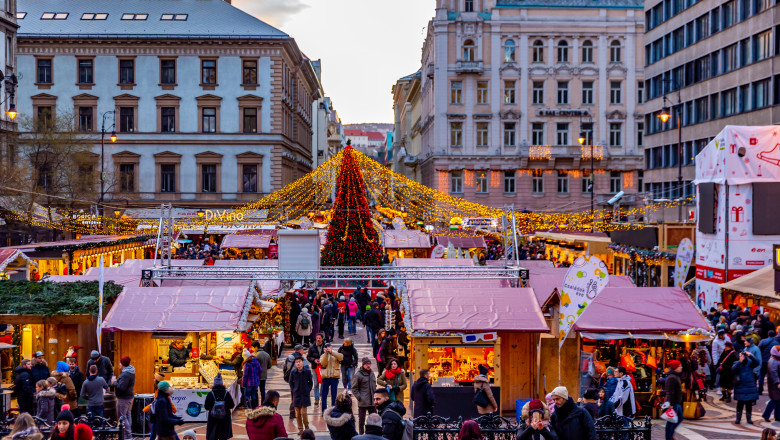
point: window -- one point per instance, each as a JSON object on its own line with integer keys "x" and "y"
{"x": 456, "y": 92}
{"x": 249, "y": 75}
{"x": 168, "y": 178}
{"x": 729, "y": 58}
{"x": 483, "y": 96}
{"x": 126, "y": 119}
{"x": 586, "y": 128}
{"x": 482, "y": 134}
{"x": 209, "y": 119}
{"x": 509, "y": 182}
{"x": 562, "y": 133}
{"x": 563, "y": 182}
{"x": 135, "y": 16}
{"x": 45, "y": 117}
{"x": 249, "y": 178}
{"x": 615, "y": 134}
{"x": 587, "y": 185}
{"x": 209, "y": 178}
{"x": 168, "y": 72}
{"x": 640, "y": 178}
{"x": 482, "y": 182}
{"x": 615, "y": 92}
{"x": 537, "y": 133}
{"x": 563, "y": 92}
{"x": 250, "y": 120}
{"x": 86, "y": 71}
{"x": 509, "y": 92}
{"x": 178, "y": 17}
{"x": 85, "y": 118}
{"x": 563, "y": 52}
{"x": 126, "y": 71}
{"x": 468, "y": 5}
{"x": 456, "y": 182}
{"x": 468, "y": 50}
{"x": 640, "y": 134}
{"x": 509, "y": 51}
{"x": 762, "y": 45}
{"x": 587, "y": 92}
{"x": 456, "y": 134}
{"x": 54, "y": 16}
{"x": 614, "y": 51}
{"x": 587, "y": 51}
{"x": 537, "y": 181}
{"x": 761, "y": 94}
{"x": 538, "y": 51}
{"x": 509, "y": 134}
{"x": 168, "y": 119}
{"x": 537, "y": 92}
{"x": 640, "y": 92}
{"x": 208, "y": 72}
{"x": 93, "y": 16}
{"x": 127, "y": 177}
{"x": 44, "y": 71}
{"x": 728, "y": 13}
{"x": 615, "y": 181}
{"x": 21, "y": 15}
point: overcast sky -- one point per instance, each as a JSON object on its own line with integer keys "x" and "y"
{"x": 365, "y": 46}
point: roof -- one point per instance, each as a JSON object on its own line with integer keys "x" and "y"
{"x": 353, "y": 132}
{"x": 205, "y": 18}
{"x": 433, "y": 262}
{"x": 600, "y": 4}
{"x": 448, "y": 309}
{"x": 641, "y": 310}
{"x": 8, "y": 256}
{"x": 462, "y": 242}
{"x": 118, "y": 278}
{"x": 375, "y": 136}
{"x": 717, "y": 163}
{"x": 109, "y": 240}
{"x": 405, "y": 239}
{"x": 179, "y": 309}
{"x": 760, "y": 283}
{"x": 246, "y": 241}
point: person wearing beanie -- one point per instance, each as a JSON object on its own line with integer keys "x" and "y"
{"x": 301, "y": 384}
{"x": 251, "y": 380}
{"x": 165, "y": 421}
{"x": 363, "y": 386}
{"x": 125, "y": 391}
{"x": 608, "y": 382}
{"x": 674, "y": 395}
{"x": 482, "y": 385}
{"x": 66, "y": 390}
{"x": 569, "y": 421}
{"x": 219, "y": 429}
{"x": 189, "y": 435}
{"x": 66, "y": 429}
{"x": 422, "y": 394}
{"x": 348, "y": 363}
{"x": 92, "y": 390}
{"x": 536, "y": 416}
{"x": 590, "y": 402}
{"x": 723, "y": 369}
{"x": 373, "y": 428}
{"x": 104, "y": 365}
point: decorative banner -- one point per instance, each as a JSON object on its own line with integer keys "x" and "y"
{"x": 100, "y": 305}
{"x": 438, "y": 251}
{"x": 398, "y": 224}
{"x": 476, "y": 337}
{"x": 584, "y": 280}
{"x": 683, "y": 261}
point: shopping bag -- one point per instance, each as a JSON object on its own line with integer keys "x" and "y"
{"x": 651, "y": 362}
{"x": 693, "y": 410}
{"x": 669, "y": 415}
{"x": 627, "y": 361}
{"x": 319, "y": 374}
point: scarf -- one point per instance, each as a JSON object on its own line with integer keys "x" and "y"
{"x": 390, "y": 374}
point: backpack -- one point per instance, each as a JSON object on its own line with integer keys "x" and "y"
{"x": 305, "y": 323}
{"x": 408, "y": 425}
{"x": 218, "y": 411}
{"x": 287, "y": 370}
{"x": 481, "y": 398}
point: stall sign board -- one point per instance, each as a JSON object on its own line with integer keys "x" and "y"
{"x": 584, "y": 280}
{"x": 190, "y": 403}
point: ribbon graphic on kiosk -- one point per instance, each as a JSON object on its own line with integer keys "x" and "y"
{"x": 683, "y": 261}
{"x": 584, "y": 280}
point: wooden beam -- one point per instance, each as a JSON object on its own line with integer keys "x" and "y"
{"x": 40, "y": 319}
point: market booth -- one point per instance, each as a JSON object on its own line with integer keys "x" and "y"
{"x": 566, "y": 247}
{"x": 146, "y": 321}
{"x": 756, "y": 289}
{"x": 406, "y": 243}
{"x": 14, "y": 265}
{"x": 452, "y": 333}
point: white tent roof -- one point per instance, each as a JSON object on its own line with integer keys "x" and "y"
{"x": 723, "y": 160}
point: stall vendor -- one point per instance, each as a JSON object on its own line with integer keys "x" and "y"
{"x": 178, "y": 353}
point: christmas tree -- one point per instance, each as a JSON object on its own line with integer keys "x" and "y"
{"x": 352, "y": 239}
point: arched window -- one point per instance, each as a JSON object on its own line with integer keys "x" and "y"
{"x": 509, "y": 51}
{"x": 614, "y": 51}
{"x": 587, "y": 51}
{"x": 563, "y": 51}
{"x": 538, "y": 51}
{"x": 468, "y": 50}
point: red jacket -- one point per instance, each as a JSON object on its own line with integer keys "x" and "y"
{"x": 264, "y": 423}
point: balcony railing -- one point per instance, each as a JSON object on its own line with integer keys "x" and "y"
{"x": 469, "y": 66}
{"x": 226, "y": 197}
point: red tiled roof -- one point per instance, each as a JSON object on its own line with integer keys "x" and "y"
{"x": 351, "y": 132}
{"x": 375, "y": 136}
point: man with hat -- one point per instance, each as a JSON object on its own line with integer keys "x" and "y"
{"x": 718, "y": 346}
{"x": 104, "y": 366}
{"x": 569, "y": 421}
{"x": 674, "y": 395}
{"x": 40, "y": 370}
{"x": 373, "y": 428}
{"x": 125, "y": 390}
{"x": 363, "y": 386}
{"x": 590, "y": 402}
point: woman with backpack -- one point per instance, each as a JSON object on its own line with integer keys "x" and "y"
{"x": 219, "y": 404}
{"x": 303, "y": 326}
{"x": 483, "y": 395}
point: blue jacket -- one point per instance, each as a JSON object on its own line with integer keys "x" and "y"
{"x": 765, "y": 346}
{"x": 252, "y": 371}
{"x": 165, "y": 421}
{"x": 610, "y": 387}
{"x": 747, "y": 389}
{"x": 753, "y": 349}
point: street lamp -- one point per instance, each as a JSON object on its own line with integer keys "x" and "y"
{"x": 102, "y": 153}
{"x": 12, "y": 111}
{"x": 201, "y": 213}
{"x": 10, "y": 85}
{"x": 664, "y": 117}
{"x": 117, "y": 213}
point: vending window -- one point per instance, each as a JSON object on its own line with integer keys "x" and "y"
{"x": 460, "y": 362}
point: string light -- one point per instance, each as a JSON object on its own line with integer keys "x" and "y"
{"x": 598, "y": 152}
{"x": 540, "y": 152}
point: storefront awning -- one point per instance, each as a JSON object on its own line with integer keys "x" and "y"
{"x": 240, "y": 241}
{"x": 461, "y": 242}
{"x": 758, "y": 283}
{"x": 405, "y": 239}
{"x": 179, "y": 309}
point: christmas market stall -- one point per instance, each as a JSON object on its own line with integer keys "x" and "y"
{"x": 754, "y": 290}
{"x": 255, "y": 243}
{"x": 564, "y": 248}
{"x": 186, "y": 333}
{"x": 406, "y": 243}
{"x": 14, "y": 265}
{"x": 647, "y": 255}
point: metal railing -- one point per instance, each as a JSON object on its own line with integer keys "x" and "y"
{"x": 102, "y": 428}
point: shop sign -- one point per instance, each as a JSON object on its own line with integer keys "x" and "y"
{"x": 562, "y": 112}
{"x": 480, "y": 223}
{"x": 438, "y": 251}
{"x": 228, "y": 215}
{"x": 584, "y": 280}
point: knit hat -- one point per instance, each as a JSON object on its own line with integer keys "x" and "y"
{"x": 483, "y": 370}
{"x": 125, "y": 361}
{"x": 246, "y": 354}
{"x": 366, "y": 360}
{"x": 66, "y": 415}
{"x": 611, "y": 371}
{"x": 560, "y": 392}
{"x": 673, "y": 364}
{"x": 218, "y": 380}
{"x": 62, "y": 367}
{"x": 163, "y": 386}
{"x": 590, "y": 394}
{"x": 83, "y": 432}
{"x": 535, "y": 405}
{"x": 374, "y": 420}
{"x": 94, "y": 355}
{"x": 159, "y": 377}
{"x": 189, "y": 433}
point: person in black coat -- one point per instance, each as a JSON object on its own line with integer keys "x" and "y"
{"x": 105, "y": 368}
{"x": 373, "y": 322}
{"x": 392, "y": 412}
{"x": 301, "y": 384}
{"x": 165, "y": 421}
{"x": 24, "y": 388}
{"x": 570, "y": 422}
{"x": 76, "y": 376}
{"x": 219, "y": 429}
{"x": 339, "y": 418}
{"x": 40, "y": 370}
{"x": 422, "y": 395}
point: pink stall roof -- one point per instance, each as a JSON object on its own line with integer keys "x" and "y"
{"x": 178, "y": 309}
{"x": 246, "y": 241}
{"x": 467, "y": 310}
{"x": 128, "y": 280}
{"x": 246, "y": 263}
{"x": 477, "y": 284}
{"x": 641, "y": 310}
{"x": 433, "y": 262}
{"x": 462, "y": 242}
{"x": 406, "y": 239}
{"x": 546, "y": 281}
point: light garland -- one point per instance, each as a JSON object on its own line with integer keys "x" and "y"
{"x": 540, "y": 152}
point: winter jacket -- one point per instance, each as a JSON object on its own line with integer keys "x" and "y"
{"x": 125, "y": 384}
{"x": 592, "y": 408}
{"x": 724, "y": 367}
{"x": 46, "y": 405}
{"x": 71, "y": 396}
{"x": 27, "y": 434}
{"x": 164, "y": 421}
{"x": 350, "y": 356}
{"x": 773, "y": 378}
{"x": 606, "y": 409}
{"x": 330, "y": 363}
{"x": 482, "y": 382}
{"x": 397, "y": 384}
{"x": 765, "y": 347}
{"x": 753, "y": 349}
{"x": 422, "y": 397}
{"x": 237, "y": 362}
{"x": 570, "y": 422}
{"x": 105, "y": 368}
{"x": 92, "y": 390}
{"x": 388, "y": 349}
{"x": 609, "y": 387}
{"x": 299, "y": 327}
{"x": 623, "y": 398}
{"x": 301, "y": 385}
{"x": 314, "y": 354}
{"x": 372, "y": 433}
{"x": 363, "y": 387}
{"x": 40, "y": 371}
{"x": 341, "y": 425}
{"x": 78, "y": 380}
{"x": 24, "y": 388}
{"x": 718, "y": 347}
{"x": 264, "y": 423}
{"x": 252, "y": 370}
{"x": 217, "y": 429}
{"x": 265, "y": 363}
{"x": 673, "y": 388}
{"x": 353, "y": 308}
{"x": 745, "y": 388}
{"x": 532, "y": 434}
{"x": 392, "y": 412}
{"x": 373, "y": 319}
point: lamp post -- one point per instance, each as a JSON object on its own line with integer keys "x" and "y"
{"x": 10, "y": 85}
{"x": 664, "y": 117}
{"x": 588, "y": 136}
{"x": 102, "y": 153}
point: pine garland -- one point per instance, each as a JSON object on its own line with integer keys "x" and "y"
{"x": 93, "y": 245}
{"x": 49, "y": 299}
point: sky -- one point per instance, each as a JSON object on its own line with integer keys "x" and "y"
{"x": 364, "y": 45}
